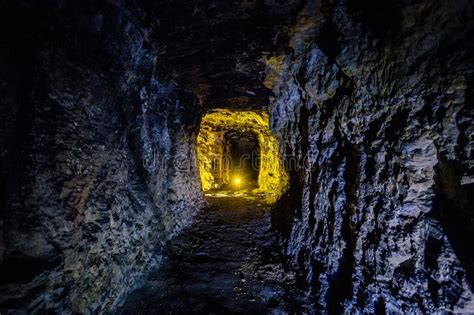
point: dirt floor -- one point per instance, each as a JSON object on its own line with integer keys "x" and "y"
{"x": 227, "y": 262}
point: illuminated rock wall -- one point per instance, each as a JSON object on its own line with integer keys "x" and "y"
{"x": 371, "y": 108}
{"x": 97, "y": 156}
{"x": 374, "y": 101}
{"x": 272, "y": 176}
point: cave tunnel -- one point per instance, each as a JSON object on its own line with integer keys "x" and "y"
{"x": 237, "y": 151}
{"x": 243, "y": 151}
{"x": 236, "y": 157}
{"x": 235, "y": 161}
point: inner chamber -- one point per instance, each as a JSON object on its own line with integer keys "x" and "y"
{"x": 237, "y": 152}
{"x": 243, "y": 152}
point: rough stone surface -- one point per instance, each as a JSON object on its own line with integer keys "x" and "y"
{"x": 217, "y": 48}
{"x": 374, "y": 102}
{"x": 98, "y": 163}
{"x": 372, "y": 107}
{"x": 227, "y": 262}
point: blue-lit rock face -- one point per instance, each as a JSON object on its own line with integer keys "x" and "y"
{"x": 371, "y": 103}
{"x": 96, "y": 157}
{"x": 379, "y": 217}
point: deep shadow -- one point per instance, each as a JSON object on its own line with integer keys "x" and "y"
{"x": 453, "y": 209}
{"x": 244, "y": 152}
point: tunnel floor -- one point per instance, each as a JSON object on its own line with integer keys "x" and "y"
{"x": 226, "y": 262}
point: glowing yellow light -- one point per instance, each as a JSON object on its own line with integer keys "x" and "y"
{"x": 214, "y": 170}
{"x": 237, "y": 181}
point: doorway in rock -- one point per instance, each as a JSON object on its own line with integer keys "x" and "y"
{"x": 238, "y": 155}
{"x": 243, "y": 154}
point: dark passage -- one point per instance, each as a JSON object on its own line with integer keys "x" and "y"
{"x": 244, "y": 154}
{"x": 227, "y": 262}
{"x": 236, "y": 157}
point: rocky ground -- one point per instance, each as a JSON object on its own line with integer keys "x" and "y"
{"x": 226, "y": 262}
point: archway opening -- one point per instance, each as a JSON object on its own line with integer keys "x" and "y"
{"x": 238, "y": 154}
{"x": 243, "y": 152}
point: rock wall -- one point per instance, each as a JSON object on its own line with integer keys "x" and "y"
{"x": 373, "y": 104}
{"x": 97, "y": 155}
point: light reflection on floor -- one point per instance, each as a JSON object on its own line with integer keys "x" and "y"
{"x": 250, "y": 194}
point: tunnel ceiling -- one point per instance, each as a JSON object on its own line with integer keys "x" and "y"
{"x": 237, "y": 136}
{"x": 217, "y": 48}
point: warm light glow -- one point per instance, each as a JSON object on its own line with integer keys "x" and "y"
{"x": 237, "y": 181}
{"x": 272, "y": 178}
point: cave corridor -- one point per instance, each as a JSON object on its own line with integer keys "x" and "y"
{"x": 237, "y": 157}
